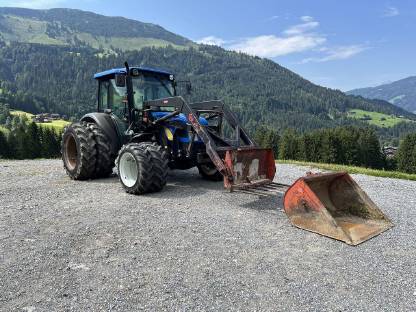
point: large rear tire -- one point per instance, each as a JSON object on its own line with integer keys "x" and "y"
{"x": 160, "y": 165}
{"x": 78, "y": 151}
{"x": 105, "y": 160}
{"x": 210, "y": 172}
{"x": 134, "y": 166}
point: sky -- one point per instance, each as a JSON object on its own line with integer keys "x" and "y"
{"x": 338, "y": 44}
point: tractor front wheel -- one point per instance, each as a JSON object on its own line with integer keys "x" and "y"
{"x": 78, "y": 150}
{"x": 210, "y": 172}
{"x": 135, "y": 167}
{"x": 160, "y": 165}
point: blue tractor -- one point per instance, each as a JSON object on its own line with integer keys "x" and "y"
{"x": 144, "y": 128}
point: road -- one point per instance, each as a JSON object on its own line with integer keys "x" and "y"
{"x": 89, "y": 246}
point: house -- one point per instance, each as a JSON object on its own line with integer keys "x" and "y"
{"x": 43, "y": 118}
{"x": 390, "y": 151}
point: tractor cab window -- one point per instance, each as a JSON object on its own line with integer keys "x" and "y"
{"x": 112, "y": 97}
{"x": 103, "y": 95}
{"x": 116, "y": 98}
{"x": 148, "y": 88}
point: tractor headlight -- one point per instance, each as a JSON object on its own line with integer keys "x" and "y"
{"x": 171, "y": 77}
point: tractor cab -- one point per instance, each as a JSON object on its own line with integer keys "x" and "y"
{"x": 146, "y": 84}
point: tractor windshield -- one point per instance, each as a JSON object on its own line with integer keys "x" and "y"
{"x": 148, "y": 88}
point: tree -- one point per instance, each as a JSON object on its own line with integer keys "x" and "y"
{"x": 370, "y": 150}
{"x": 289, "y": 145}
{"x": 4, "y": 146}
{"x": 8, "y": 123}
{"x": 267, "y": 138}
{"x": 21, "y": 140}
{"x": 407, "y": 154}
{"x": 50, "y": 143}
{"x": 34, "y": 146}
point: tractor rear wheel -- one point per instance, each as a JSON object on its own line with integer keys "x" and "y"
{"x": 135, "y": 167}
{"x": 160, "y": 165}
{"x": 210, "y": 172}
{"x": 78, "y": 151}
{"x": 105, "y": 160}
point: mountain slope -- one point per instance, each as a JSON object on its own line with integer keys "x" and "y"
{"x": 401, "y": 93}
{"x": 78, "y": 28}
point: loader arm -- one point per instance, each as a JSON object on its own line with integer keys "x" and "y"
{"x": 242, "y": 163}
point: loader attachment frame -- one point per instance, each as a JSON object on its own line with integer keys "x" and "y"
{"x": 242, "y": 163}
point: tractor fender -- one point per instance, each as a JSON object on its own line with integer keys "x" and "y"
{"x": 107, "y": 124}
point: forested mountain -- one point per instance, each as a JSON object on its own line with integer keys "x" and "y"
{"x": 69, "y": 27}
{"x": 58, "y": 78}
{"x": 401, "y": 93}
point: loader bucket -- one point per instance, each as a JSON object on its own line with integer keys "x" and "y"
{"x": 335, "y": 206}
{"x": 249, "y": 167}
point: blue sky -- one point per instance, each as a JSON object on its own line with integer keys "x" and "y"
{"x": 338, "y": 44}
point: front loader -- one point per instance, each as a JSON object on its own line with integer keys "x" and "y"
{"x": 144, "y": 128}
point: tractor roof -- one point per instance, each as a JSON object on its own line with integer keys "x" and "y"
{"x": 111, "y": 72}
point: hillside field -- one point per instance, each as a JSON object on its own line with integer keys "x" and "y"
{"x": 377, "y": 119}
{"x": 4, "y": 130}
{"x": 55, "y": 124}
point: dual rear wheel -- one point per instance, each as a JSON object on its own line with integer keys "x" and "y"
{"x": 86, "y": 152}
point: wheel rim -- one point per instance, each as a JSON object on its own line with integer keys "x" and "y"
{"x": 71, "y": 152}
{"x": 128, "y": 169}
{"x": 209, "y": 170}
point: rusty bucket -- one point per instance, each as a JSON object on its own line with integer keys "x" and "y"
{"x": 334, "y": 205}
{"x": 249, "y": 167}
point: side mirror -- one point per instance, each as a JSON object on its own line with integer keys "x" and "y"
{"x": 120, "y": 80}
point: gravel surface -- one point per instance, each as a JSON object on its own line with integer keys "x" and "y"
{"x": 89, "y": 246}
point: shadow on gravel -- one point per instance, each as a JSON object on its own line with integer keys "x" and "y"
{"x": 110, "y": 180}
{"x": 185, "y": 184}
{"x": 273, "y": 202}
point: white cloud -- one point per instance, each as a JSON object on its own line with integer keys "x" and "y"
{"x": 301, "y": 28}
{"x": 272, "y": 18}
{"x": 391, "y": 12}
{"x": 297, "y": 38}
{"x": 273, "y": 46}
{"x": 32, "y": 4}
{"x": 337, "y": 53}
{"x": 211, "y": 40}
{"x": 308, "y": 25}
{"x": 306, "y": 18}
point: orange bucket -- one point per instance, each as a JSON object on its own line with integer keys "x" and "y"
{"x": 334, "y": 205}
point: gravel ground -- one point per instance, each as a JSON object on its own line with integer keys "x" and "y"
{"x": 89, "y": 246}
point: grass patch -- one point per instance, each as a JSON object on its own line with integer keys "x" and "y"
{"x": 57, "y": 125}
{"x": 4, "y": 130}
{"x": 20, "y": 113}
{"x": 376, "y": 119}
{"x": 353, "y": 169}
